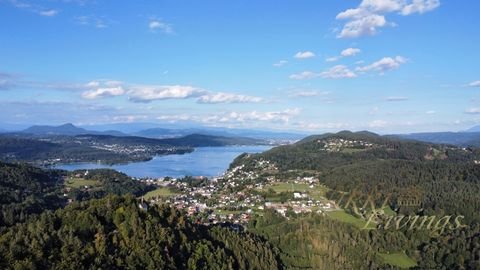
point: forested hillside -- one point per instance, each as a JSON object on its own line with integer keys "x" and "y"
{"x": 442, "y": 180}
{"x": 106, "y": 225}
{"x": 26, "y": 190}
{"x": 115, "y": 232}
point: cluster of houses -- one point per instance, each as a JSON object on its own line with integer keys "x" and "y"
{"x": 338, "y": 144}
{"x": 299, "y": 207}
{"x": 215, "y": 203}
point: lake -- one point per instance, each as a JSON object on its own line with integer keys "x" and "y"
{"x": 204, "y": 161}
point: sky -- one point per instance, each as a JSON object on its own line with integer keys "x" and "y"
{"x": 388, "y": 66}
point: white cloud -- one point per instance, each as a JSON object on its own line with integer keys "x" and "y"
{"x": 473, "y": 111}
{"x": 280, "y": 63}
{"x": 128, "y": 118}
{"x": 82, "y": 20}
{"x": 420, "y": 6}
{"x": 175, "y": 118}
{"x": 48, "y": 13}
{"x": 382, "y": 5}
{"x": 345, "y": 53}
{"x": 100, "y": 89}
{"x": 350, "y": 52}
{"x": 321, "y": 126}
{"x": 396, "y": 98}
{"x": 275, "y": 116}
{"x": 369, "y": 16}
{"x": 147, "y": 93}
{"x": 103, "y": 92}
{"x": 304, "y": 55}
{"x": 228, "y": 98}
{"x": 430, "y": 112}
{"x": 384, "y": 64}
{"x": 308, "y": 93}
{"x": 474, "y": 84}
{"x": 160, "y": 92}
{"x": 252, "y": 118}
{"x": 377, "y": 124}
{"x": 363, "y": 26}
{"x": 6, "y": 81}
{"x": 305, "y": 75}
{"x": 338, "y": 72}
{"x": 91, "y": 21}
{"x": 34, "y": 8}
{"x": 155, "y": 25}
{"x": 332, "y": 59}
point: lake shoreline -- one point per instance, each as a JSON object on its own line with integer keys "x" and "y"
{"x": 203, "y": 161}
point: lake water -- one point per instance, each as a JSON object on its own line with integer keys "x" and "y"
{"x": 204, "y": 161}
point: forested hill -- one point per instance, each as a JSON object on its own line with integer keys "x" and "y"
{"x": 446, "y": 178}
{"x": 66, "y": 129}
{"x": 199, "y": 140}
{"x": 104, "y": 148}
{"x": 26, "y": 190}
{"x": 455, "y": 138}
{"x": 193, "y": 140}
{"x": 115, "y": 233}
{"x": 321, "y": 152}
{"x": 440, "y": 180}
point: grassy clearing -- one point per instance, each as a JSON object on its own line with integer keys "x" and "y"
{"x": 75, "y": 182}
{"x": 319, "y": 192}
{"x": 352, "y": 150}
{"x": 342, "y": 216}
{"x": 289, "y": 187}
{"x": 399, "y": 259}
{"x": 389, "y": 212}
{"x": 159, "y": 192}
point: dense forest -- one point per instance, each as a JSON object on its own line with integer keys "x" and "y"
{"x": 26, "y": 190}
{"x": 108, "y": 181}
{"x": 114, "y": 232}
{"x": 444, "y": 179}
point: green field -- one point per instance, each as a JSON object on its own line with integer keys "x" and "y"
{"x": 159, "y": 192}
{"x": 398, "y": 259}
{"x": 342, "y": 216}
{"x": 319, "y": 192}
{"x": 289, "y": 187}
{"x": 389, "y": 212}
{"x": 74, "y": 182}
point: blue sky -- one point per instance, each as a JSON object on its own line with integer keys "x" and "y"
{"x": 307, "y": 65}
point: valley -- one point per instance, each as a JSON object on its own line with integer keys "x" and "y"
{"x": 313, "y": 199}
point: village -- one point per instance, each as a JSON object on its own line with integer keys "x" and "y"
{"x": 339, "y": 144}
{"x": 239, "y": 194}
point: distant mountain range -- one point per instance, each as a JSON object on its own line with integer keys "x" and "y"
{"x": 474, "y": 129}
{"x": 257, "y": 134}
{"x": 66, "y": 129}
{"x": 155, "y": 131}
{"x": 470, "y": 137}
{"x": 454, "y": 138}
